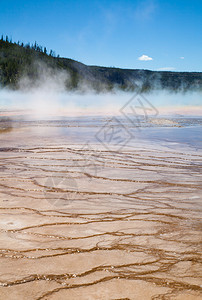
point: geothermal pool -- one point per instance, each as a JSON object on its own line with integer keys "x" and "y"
{"x": 97, "y": 208}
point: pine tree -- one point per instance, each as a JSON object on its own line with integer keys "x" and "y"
{"x": 27, "y": 46}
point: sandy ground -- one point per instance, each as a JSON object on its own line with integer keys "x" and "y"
{"x": 92, "y": 223}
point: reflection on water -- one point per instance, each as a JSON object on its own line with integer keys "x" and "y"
{"x": 82, "y": 221}
{"x": 5, "y": 124}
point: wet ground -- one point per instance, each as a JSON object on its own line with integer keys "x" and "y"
{"x": 88, "y": 214}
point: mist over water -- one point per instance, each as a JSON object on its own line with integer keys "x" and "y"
{"x": 47, "y": 95}
{"x": 46, "y": 100}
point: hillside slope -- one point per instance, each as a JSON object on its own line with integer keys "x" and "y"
{"x": 17, "y": 61}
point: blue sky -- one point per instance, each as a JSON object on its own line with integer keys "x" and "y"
{"x": 148, "y": 34}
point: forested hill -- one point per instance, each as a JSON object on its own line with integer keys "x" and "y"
{"x": 19, "y": 61}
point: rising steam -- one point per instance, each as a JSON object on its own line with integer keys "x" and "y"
{"x": 47, "y": 96}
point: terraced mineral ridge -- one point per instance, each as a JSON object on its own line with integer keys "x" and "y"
{"x": 84, "y": 218}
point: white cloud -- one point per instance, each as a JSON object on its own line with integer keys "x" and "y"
{"x": 166, "y": 69}
{"x": 145, "y": 57}
{"x": 182, "y": 57}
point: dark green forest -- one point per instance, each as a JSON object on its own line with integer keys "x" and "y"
{"x": 18, "y": 60}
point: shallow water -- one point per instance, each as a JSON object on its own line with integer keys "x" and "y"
{"x": 97, "y": 211}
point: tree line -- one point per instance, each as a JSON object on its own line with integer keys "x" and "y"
{"x": 34, "y": 46}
